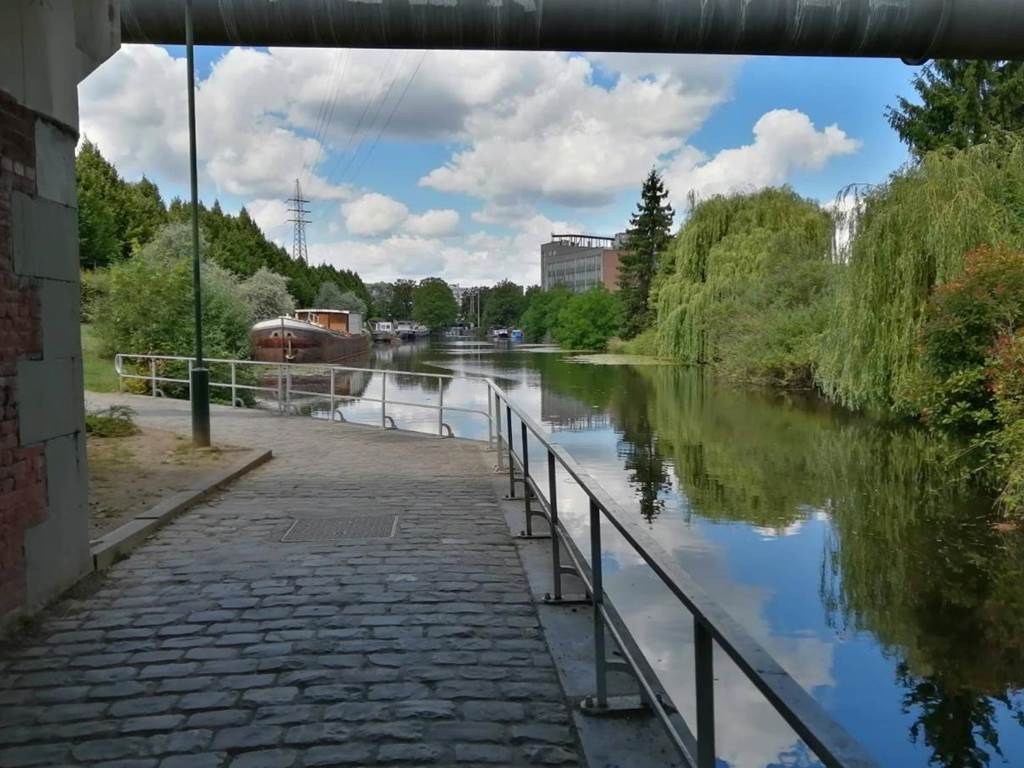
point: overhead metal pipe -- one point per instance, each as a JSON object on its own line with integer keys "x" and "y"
{"x": 908, "y": 29}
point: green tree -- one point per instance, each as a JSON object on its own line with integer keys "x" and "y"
{"x": 962, "y": 103}
{"x": 399, "y": 305}
{"x": 649, "y": 235}
{"x": 912, "y": 235}
{"x": 542, "y": 311}
{"x": 97, "y": 187}
{"x": 588, "y": 320}
{"x": 329, "y": 296}
{"x": 433, "y": 303}
{"x": 267, "y": 294}
{"x": 749, "y": 287}
{"x": 503, "y": 305}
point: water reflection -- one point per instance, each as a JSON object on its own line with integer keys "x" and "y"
{"x": 849, "y": 548}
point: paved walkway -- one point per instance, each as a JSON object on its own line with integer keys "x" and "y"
{"x": 215, "y": 644}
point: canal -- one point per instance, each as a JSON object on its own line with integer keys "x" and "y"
{"x": 848, "y": 548}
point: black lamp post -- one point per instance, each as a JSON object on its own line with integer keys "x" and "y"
{"x": 199, "y": 378}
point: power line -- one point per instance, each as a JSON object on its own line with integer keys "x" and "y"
{"x": 387, "y": 122}
{"x": 299, "y": 213}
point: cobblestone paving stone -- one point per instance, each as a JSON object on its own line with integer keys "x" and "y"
{"x": 215, "y": 644}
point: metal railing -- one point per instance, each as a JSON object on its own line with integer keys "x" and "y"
{"x": 711, "y": 625}
{"x": 288, "y": 397}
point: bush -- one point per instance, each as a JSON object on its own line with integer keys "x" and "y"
{"x": 149, "y": 307}
{"x": 971, "y": 381}
{"x": 588, "y": 320}
{"x": 95, "y": 285}
{"x": 115, "y": 421}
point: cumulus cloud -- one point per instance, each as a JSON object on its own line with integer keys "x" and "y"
{"x": 784, "y": 140}
{"x": 574, "y": 142}
{"x": 434, "y": 223}
{"x": 373, "y": 214}
{"x": 478, "y": 257}
{"x": 376, "y": 214}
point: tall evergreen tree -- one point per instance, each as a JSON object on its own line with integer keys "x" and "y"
{"x": 649, "y": 235}
{"x": 963, "y": 102}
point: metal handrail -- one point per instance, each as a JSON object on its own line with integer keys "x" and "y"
{"x": 284, "y": 389}
{"x": 712, "y": 625}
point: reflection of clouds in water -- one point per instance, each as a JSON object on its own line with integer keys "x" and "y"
{"x": 750, "y": 733}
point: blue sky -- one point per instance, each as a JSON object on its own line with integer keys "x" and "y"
{"x": 460, "y": 164}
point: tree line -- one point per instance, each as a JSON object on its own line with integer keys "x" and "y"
{"x": 906, "y": 303}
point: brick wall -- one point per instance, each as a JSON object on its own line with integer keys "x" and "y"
{"x": 22, "y": 471}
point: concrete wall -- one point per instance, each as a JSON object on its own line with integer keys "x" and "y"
{"x": 46, "y": 48}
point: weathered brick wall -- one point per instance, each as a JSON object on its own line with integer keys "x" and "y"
{"x": 22, "y": 471}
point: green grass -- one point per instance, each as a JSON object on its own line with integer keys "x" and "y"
{"x": 99, "y": 370}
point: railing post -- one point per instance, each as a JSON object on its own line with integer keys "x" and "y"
{"x": 556, "y": 555}
{"x": 705, "y": 683}
{"x": 287, "y": 389}
{"x": 234, "y": 390}
{"x": 490, "y": 423}
{"x": 597, "y": 587}
{"x": 526, "y": 480}
{"x": 497, "y": 423}
{"x": 511, "y": 461}
{"x": 384, "y": 400}
{"x": 190, "y": 379}
{"x": 152, "y": 376}
{"x": 440, "y": 407}
{"x": 280, "y": 388}
{"x": 332, "y": 395}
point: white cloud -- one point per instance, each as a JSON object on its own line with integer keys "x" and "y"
{"x": 572, "y": 141}
{"x": 271, "y": 216}
{"x": 784, "y": 141}
{"x": 434, "y": 223}
{"x": 373, "y": 214}
{"x": 476, "y": 258}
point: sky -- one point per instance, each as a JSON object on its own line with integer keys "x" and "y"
{"x": 459, "y": 164}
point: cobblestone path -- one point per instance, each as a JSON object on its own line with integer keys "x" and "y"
{"x": 215, "y": 644}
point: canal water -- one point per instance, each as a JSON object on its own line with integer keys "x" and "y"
{"x": 846, "y": 547}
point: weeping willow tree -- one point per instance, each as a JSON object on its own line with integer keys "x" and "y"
{"x": 913, "y": 233}
{"x": 745, "y": 286}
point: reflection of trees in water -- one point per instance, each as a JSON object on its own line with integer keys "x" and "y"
{"x": 639, "y": 449}
{"x": 913, "y": 556}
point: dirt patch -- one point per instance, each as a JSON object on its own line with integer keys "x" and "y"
{"x": 128, "y": 475}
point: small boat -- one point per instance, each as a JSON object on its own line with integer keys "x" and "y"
{"x": 517, "y": 335}
{"x": 384, "y": 332}
{"x": 500, "y": 334}
{"x": 310, "y": 336}
{"x": 406, "y": 330}
{"x": 421, "y": 331}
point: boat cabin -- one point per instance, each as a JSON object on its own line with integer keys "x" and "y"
{"x": 340, "y": 320}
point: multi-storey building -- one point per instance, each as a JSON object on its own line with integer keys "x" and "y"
{"x": 579, "y": 262}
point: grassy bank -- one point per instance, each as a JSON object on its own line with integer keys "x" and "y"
{"x": 98, "y": 370}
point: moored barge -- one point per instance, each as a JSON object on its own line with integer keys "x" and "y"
{"x": 310, "y": 336}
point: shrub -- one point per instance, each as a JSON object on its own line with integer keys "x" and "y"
{"x": 95, "y": 285}
{"x": 149, "y": 309}
{"x": 971, "y": 377}
{"x": 588, "y": 320}
{"x": 115, "y": 421}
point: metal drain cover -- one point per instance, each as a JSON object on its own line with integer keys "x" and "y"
{"x": 342, "y": 528}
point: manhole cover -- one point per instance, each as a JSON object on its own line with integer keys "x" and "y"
{"x": 338, "y": 528}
